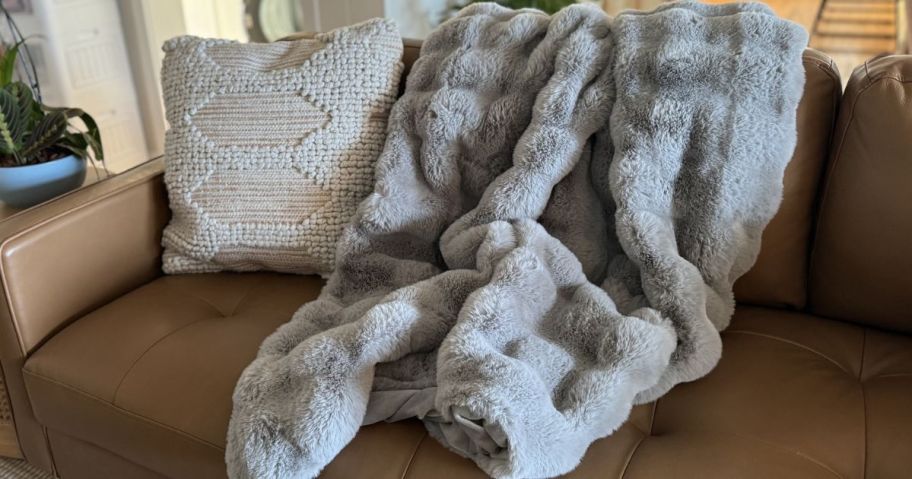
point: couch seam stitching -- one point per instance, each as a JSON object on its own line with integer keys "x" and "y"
{"x": 9, "y": 307}
{"x": 144, "y": 353}
{"x": 655, "y": 406}
{"x": 833, "y": 72}
{"x": 408, "y": 465}
{"x": 157, "y": 341}
{"x": 833, "y": 75}
{"x": 630, "y": 456}
{"x": 198, "y": 298}
{"x": 244, "y": 297}
{"x": 652, "y": 417}
{"x": 793, "y": 343}
{"x": 827, "y": 70}
{"x": 828, "y": 177}
{"x": 123, "y": 411}
{"x": 796, "y": 453}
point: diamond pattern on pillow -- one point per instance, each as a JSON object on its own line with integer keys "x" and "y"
{"x": 263, "y": 119}
{"x": 271, "y": 147}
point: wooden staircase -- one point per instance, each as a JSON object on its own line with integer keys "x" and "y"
{"x": 865, "y": 27}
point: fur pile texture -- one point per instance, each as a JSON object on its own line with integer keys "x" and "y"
{"x": 560, "y": 211}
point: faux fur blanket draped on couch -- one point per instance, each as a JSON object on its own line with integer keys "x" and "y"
{"x": 560, "y": 212}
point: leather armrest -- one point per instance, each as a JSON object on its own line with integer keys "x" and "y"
{"x": 67, "y": 257}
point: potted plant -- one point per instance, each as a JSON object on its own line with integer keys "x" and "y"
{"x": 548, "y": 6}
{"x": 42, "y": 153}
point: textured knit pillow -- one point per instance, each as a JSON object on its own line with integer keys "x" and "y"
{"x": 272, "y": 146}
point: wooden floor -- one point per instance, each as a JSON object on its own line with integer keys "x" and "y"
{"x": 850, "y": 31}
{"x": 800, "y": 11}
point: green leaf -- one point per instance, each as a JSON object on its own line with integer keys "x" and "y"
{"x": 80, "y": 152}
{"x": 47, "y": 132}
{"x": 77, "y": 139}
{"x": 8, "y": 63}
{"x": 9, "y": 140}
{"x": 25, "y": 106}
{"x": 92, "y": 134}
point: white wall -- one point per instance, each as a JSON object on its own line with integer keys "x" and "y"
{"x": 148, "y": 24}
{"x": 164, "y": 19}
{"x": 214, "y": 18}
{"x": 325, "y": 15}
{"x": 416, "y": 18}
{"x": 79, "y": 49}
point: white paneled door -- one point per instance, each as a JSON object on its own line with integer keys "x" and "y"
{"x": 84, "y": 64}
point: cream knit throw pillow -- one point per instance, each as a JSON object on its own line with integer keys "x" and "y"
{"x": 272, "y": 146}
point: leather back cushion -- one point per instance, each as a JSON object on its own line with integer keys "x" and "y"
{"x": 861, "y": 268}
{"x": 779, "y": 278}
{"x": 410, "y": 51}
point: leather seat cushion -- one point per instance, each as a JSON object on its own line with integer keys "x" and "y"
{"x": 149, "y": 378}
{"x": 150, "y": 375}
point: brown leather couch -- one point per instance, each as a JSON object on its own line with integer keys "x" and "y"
{"x": 116, "y": 371}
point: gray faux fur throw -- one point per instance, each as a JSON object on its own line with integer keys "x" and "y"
{"x": 560, "y": 211}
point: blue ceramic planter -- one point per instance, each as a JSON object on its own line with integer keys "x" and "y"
{"x": 24, "y": 186}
